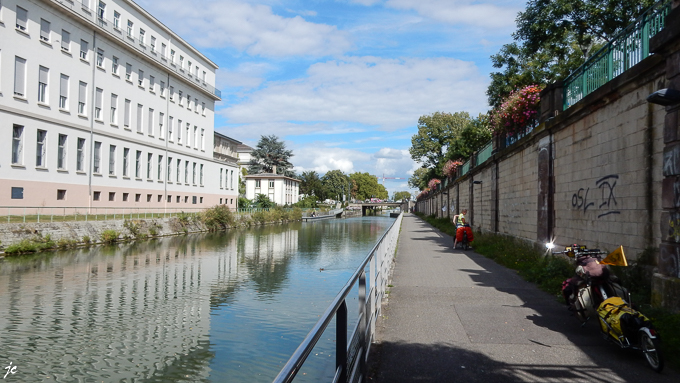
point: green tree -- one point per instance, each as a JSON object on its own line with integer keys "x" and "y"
{"x": 366, "y": 186}
{"x": 336, "y": 184}
{"x": 420, "y": 178}
{"x": 262, "y": 201}
{"x": 470, "y": 139}
{"x": 311, "y": 184}
{"x": 555, "y": 37}
{"x": 242, "y": 183}
{"x": 271, "y": 152}
{"x": 306, "y": 202}
{"x": 401, "y": 195}
{"x": 435, "y": 134}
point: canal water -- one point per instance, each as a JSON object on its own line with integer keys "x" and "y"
{"x": 224, "y": 307}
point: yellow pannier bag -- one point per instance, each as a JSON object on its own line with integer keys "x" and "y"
{"x": 617, "y": 318}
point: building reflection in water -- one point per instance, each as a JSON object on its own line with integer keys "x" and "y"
{"x": 144, "y": 311}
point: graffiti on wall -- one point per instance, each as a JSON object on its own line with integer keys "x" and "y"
{"x": 604, "y": 202}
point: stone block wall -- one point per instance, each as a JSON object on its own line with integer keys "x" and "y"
{"x": 517, "y": 182}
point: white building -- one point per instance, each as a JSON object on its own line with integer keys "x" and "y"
{"x": 102, "y": 105}
{"x": 280, "y": 189}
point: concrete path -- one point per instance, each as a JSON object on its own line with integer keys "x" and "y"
{"x": 455, "y": 316}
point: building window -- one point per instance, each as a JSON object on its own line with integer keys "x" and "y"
{"x": 126, "y": 121}
{"x": 114, "y": 108}
{"x": 41, "y": 148}
{"x": 101, "y": 11}
{"x": 140, "y": 78}
{"x": 43, "y": 74}
{"x": 112, "y": 196}
{"x": 179, "y": 163}
{"x": 153, "y": 44}
{"x": 112, "y": 160}
{"x": 181, "y": 62}
{"x": 163, "y": 51}
{"x": 160, "y": 167}
{"x": 162, "y": 88}
{"x": 116, "y": 20}
{"x": 193, "y": 200}
{"x": 138, "y": 164}
{"x": 114, "y": 65}
{"x": 150, "y": 127}
{"x": 200, "y": 175}
{"x": 22, "y": 18}
{"x": 189, "y": 101}
{"x": 126, "y": 162}
{"x": 160, "y": 197}
{"x": 149, "y": 162}
{"x": 148, "y": 197}
{"x": 195, "y": 137}
{"x": 86, "y": 4}
{"x": 221, "y": 177}
{"x": 96, "y": 195}
{"x": 170, "y": 134}
{"x": 96, "y": 168}
{"x": 202, "y": 139}
{"x": 83, "y": 49}
{"x": 186, "y": 172}
{"x": 63, "y": 92}
{"x": 140, "y": 110}
{"x": 231, "y": 180}
{"x": 44, "y": 30}
{"x": 125, "y": 196}
{"x": 172, "y": 56}
{"x": 61, "y": 194}
{"x": 98, "y": 104}
{"x": 65, "y": 41}
{"x": 161, "y": 117}
{"x": 203, "y": 77}
{"x": 152, "y": 84}
{"x": 188, "y": 129}
{"x": 130, "y": 26}
{"x": 17, "y": 145}
{"x": 179, "y": 132}
{"x": 19, "y": 76}
{"x": 61, "y": 152}
{"x": 142, "y": 34}
{"x": 80, "y": 155}
{"x": 128, "y": 71}
{"x": 203, "y": 108}
{"x": 271, "y": 184}
{"x": 100, "y": 58}
{"x": 82, "y": 92}
{"x": 17, "y": 193}
{"x": 169, "y": 177}
{"x": 138, "y": 197}
{"x": 180, "y": 97}
{"x": 178, "y": 199}
{"x": 189, "y": 67}
{"x": 257, "y": 183}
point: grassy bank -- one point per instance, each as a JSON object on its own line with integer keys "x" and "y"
{"x": 548, "y": 271}
{"x": 216, "y": 218}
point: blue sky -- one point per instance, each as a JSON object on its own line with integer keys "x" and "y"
{"x": 343, "y": 82}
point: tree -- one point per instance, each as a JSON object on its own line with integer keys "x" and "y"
{"x": 435, "y": 134}
{"x": 555, "y": 37}
{"x": 470, "y": 139}
{"x": 306, "y": 202}
{"x": 271, "y": 152}
{"x": 262, "y": 201}
{"x": 242, "y": 182}
{"x": 311, "y": 184}
{"x": 366, "y": 186}
{"x": 420, "y": 177}
{"x": 401, "y": 195}
{"x": 335, "y": 184}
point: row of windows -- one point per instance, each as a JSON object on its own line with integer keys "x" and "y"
{"x": 45, "y": 35}
{"x": 143, "y": 164}
{"x": 62, "y": 194}
{"x": 141, "y": 80}
{"x": 176, "y": 130}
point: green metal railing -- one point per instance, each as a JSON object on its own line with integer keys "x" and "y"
{"x": 465, "y": 168}
{"x": 627, "y": 49}
{"x": 484, "y": 154}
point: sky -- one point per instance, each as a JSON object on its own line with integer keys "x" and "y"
{"x": 343, "y": 82}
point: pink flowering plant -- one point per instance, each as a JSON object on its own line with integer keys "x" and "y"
{"x": 433, "y": 183}
{"x": 450, "y": 167}
{"x": 423, "y": 193}
{"x": 518, "y": 111}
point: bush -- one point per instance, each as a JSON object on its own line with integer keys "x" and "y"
{"x": 218, "y": 218}
{"x": 86, "y": 239}
{"x": 109, "y": 236}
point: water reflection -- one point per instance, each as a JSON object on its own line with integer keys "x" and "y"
{"x": 217, "y": 307}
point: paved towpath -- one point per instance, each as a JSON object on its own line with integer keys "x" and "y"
{"x": 456, "y": 316}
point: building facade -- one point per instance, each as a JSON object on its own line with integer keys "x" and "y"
{"x": 101, "y": 105}
{"x": 280, "y": 189}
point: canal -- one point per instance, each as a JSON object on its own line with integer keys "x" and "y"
{"x": 223, "y": 307}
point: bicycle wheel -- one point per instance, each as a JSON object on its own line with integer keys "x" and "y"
{"x": 651, "y": 351}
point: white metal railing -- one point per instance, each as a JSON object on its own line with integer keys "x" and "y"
{"x": 351, "y": 357}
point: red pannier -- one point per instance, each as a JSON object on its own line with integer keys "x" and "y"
{"x": 464, "y": 229}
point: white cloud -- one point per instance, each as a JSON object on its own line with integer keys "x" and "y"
{"x": 320, "y": 158}
{"x": 248, "y": 27}
{"x": 387, "y": 93}
{"x": 488, "y": 15}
